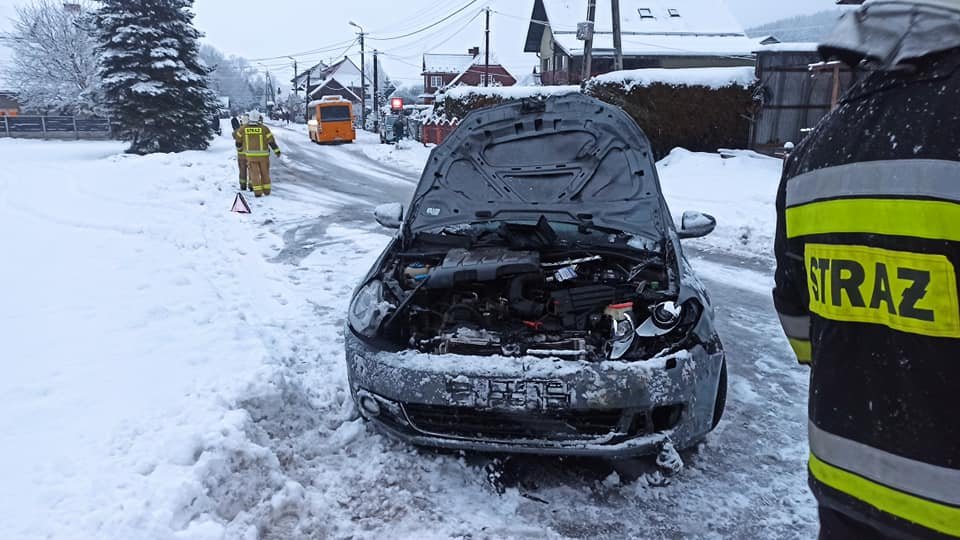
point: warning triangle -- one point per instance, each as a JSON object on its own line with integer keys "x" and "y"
{"x": 240, "y": 205}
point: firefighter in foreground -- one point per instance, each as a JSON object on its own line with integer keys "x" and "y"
{"x": 255, "y": 141}
{"x": 868, "y": 249}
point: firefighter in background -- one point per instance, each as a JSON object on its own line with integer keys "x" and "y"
{"x": 238, "y": 124}
{"x": 255, "y": 142}
{"x": 868, "y": 253}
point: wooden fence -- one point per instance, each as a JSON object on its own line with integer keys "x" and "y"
{"x": 54, "y": 127}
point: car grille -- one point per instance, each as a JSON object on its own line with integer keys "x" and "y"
{"x": 466, "y": 422}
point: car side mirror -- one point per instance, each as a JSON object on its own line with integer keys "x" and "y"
{"x": 696, "y": 225}
{"x": 389, "y": 215}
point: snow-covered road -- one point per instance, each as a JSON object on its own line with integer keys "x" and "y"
{"x": 175, "y": 371}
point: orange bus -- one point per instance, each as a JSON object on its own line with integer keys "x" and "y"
{"x": 332, "y": 122}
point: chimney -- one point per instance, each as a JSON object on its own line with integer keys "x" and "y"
{"x": 475, "y": 51}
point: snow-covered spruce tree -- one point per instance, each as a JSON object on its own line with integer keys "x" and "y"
{"x": 154, "y": 85}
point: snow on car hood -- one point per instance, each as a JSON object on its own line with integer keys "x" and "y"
{"x": 570, "y": 158}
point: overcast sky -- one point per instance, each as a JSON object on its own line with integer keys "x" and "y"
{"x": 257, "y": 29}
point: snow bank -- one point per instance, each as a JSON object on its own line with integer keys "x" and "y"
{"x": 509, "y": 92}
{"x": 144, "y": 333}
{"x": 800, "y": 46}
{"x": 740, "y": 192}
{"x": 408, "y": 154}
{"x": 714, "y": 78}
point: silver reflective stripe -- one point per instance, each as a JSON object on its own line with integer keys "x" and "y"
{"x": 916, "y": 477}
{"x": 795, "y": 327}
{"x": 907, "y": 177}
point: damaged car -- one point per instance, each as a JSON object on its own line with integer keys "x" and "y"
{"x": 535, "y": 297}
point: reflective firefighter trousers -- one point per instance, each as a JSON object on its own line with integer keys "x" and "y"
{"x": 259, "y": 167}
{"x": 242, "y": 164}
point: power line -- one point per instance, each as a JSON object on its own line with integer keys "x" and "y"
{"x": 429, "y": 26}
{"x": 420, "y": 43}
{"x": 419, "y": 17}
{"x": 325, "y": 48}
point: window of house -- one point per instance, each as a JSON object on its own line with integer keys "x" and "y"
{"x": 646, "y": 13}
{"x": 483, "y": 79}
{"x": 436, "y": 81}
{"x": 674, "y": 12}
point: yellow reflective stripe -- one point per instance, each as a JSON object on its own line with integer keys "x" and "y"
{"x": 266, "y": 186}
{"x": 936, "y": 220}
{"x": 803, "y": 349}
{"x": 258, "y": 188}
{"x": 257, "y": 154}
{"x": 939, "y": 517}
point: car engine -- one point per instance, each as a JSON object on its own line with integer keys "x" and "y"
{"x": 577, "y": 305}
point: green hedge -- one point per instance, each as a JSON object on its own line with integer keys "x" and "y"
{"x": 697, "y": 118}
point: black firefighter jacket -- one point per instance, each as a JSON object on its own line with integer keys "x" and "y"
{"x": 868, "y": 253}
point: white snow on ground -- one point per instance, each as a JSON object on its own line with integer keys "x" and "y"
{"x": 408, "y": 154}
{"x": 740, "y": 192}
{"x": 171, "y": 371}
{"x": 138, "y": 314}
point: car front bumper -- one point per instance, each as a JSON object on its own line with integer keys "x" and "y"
{"x": 607, "y": 409}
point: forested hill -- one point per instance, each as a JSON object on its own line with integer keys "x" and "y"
{"x": 800, "y": 28}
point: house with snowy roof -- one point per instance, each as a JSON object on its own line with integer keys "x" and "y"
{"x": 342, "y": 79}
{"x": 655, "y": 34}
{"x": 441, "y": 71}
{"x": 338, "y": 79}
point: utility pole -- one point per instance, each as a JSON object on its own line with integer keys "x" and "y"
{"x": 617, "y": 44}
{"x": 363, "y": 78}
{"x": 486, "y": 53}
{"x": 296, "y": 83}
{"x": 376, "y": 94}
{"x": 267, "y": 91}
{"x": 306, "y": 112}
{"x": 588, "y": 43}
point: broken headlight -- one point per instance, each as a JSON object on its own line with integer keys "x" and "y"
{"x": 368, "y": 309}
{"x": 671, "y": 319}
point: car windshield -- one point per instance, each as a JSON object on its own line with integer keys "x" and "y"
{"x": 340, "y": 113}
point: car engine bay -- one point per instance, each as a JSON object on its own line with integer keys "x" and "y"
{"x": 576, "y": 304}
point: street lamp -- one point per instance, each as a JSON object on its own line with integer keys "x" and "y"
{"x": 363, "y": 78}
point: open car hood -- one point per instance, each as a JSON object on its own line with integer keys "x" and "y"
{"x": 569, "y": 158}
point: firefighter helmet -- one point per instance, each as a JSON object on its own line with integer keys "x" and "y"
{"x": 255, "y": 117}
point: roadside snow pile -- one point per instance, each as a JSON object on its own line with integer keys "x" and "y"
{"x": 508, "y": 92}
{"x": 739, "y": 191}
{"x": 794, "y": 46}
{"x": 714, "y": 78}
{"x": 145, "y": 333}
{"x": 408, "y": 153}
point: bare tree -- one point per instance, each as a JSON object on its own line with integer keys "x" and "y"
{"x": 54, "y": 66}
